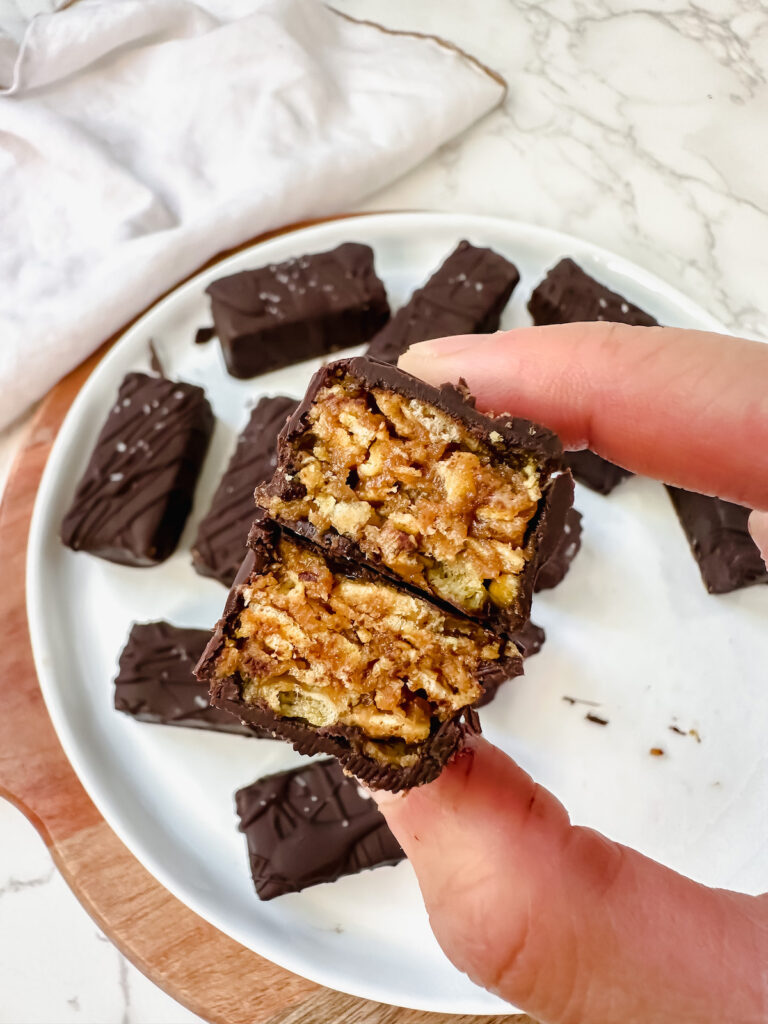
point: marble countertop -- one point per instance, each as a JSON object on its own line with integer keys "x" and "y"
{"x": 640, "y": 127}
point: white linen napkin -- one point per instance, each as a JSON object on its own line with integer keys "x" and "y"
{"x": 138, "y": 138}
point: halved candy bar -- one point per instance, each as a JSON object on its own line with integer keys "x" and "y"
{"x": 376, "y": 466}
{"x": 336, "y": 659}
{"x": 466, "y": 295}
{"x": 720, "y": 542}
{"x": 156, "y": 680}
{"x": 219, "y": 547}
{"x": 287, "y": 312}
{"x": 310, "y": 825}
{"x": 136, "y": 492}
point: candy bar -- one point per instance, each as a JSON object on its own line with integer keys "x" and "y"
{"x": 311, "y": 825}
{"x": 380, "y": 468}
{"x": 466, "y": 295}
{"x": 337, "y": 659}
{"x": 136, "y": 492}
{"x": 717, "y": 532}
{"x": 287, "y": 312}
{"x": 219, "y": 547}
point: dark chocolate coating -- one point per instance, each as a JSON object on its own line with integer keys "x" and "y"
{"x": 568, "y": 295}
{"x": 136, "y": 492}
{"x": 529, "y": 640}
{"x": 310, "y": 825}
{"x": 287, "y": 312}
{"x": 717, "y": 532}
{"x": 343, "y": 742}
{"x": 466, "y": 295}
{"x": 557, "y": 565}
{"x": 594, "y": 471}
{"x": 219, "y": 547}
{"x": 156, "y": 680}
{"x": 515, "y": 439}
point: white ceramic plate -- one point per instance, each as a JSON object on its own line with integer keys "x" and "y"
{"x": 631, "y": 628}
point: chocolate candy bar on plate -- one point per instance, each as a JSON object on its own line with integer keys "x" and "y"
{"x": 310, "y": 825}
{"x": 569, "y": 295}
{"x": 594, "y": 471}
{"x": 466, "y": 295}
{"x": 337, "y": 659}
{"x": 156, "y": 680}
{"x": 220, "y": 545}
{"x": 555, "y": 569}
{"x": 284, "y": 313}
{"x": 380, "y": 468}
{"x": 717, "y": 532}
{"x": 136, "y": 492}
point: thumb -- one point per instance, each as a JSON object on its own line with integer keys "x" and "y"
{"x": 564, "y": 923}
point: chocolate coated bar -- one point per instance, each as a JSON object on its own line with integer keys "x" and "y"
{"x": 594, "y": 471}
{"x": 220, "y": 545}
{"x": 311, "y": 825}
{"x": 466, "y": 295}
{"x": 555, "y": 569}
{"x": 336, "y": 659}
{"x": 287, "y": 312}
{"x": 376, "y": 466}
{"x": 135, "y": 495}
{"x": 156, "y": 680}
{"x": 568, "y": 295}
{"x": 717, "y": 532}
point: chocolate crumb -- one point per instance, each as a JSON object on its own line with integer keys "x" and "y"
{"x": 590, "y": 717}
{"x": 656, "y": 752}
{"x": 680, "y": 732}
{"x": 580, "y": 700}
{"x": 204, "y": 334}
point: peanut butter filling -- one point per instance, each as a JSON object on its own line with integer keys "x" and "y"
{"x": 413, "y": 487}
{"x": 329, "y": 650}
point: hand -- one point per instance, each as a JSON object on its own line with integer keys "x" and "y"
{"x": 556, "y": 918}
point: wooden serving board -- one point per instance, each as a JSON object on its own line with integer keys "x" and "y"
{"x": 207, "y": 971}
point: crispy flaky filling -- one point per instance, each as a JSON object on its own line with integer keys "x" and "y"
{"x": 414, "y": 488}
{"x": 317, "y": 646}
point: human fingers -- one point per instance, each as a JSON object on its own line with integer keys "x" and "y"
{"x": 564, "y": 923}
{"x": 686, "y": 407}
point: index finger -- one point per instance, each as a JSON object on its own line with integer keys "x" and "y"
{"x": 686, "y": 407}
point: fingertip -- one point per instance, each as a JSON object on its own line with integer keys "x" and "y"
{"x": 433, "y": 360}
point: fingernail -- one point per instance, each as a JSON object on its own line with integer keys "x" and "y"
{"x": 426, "y": 357}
